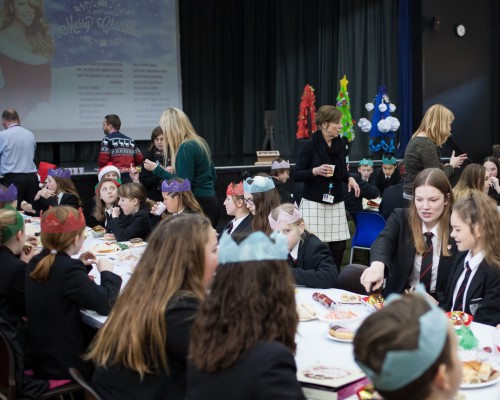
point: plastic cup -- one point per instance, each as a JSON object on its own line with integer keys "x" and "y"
{"x": 80, "y": 170}
{"x": 160, "y": 208}
{"x": 333, "y": 170}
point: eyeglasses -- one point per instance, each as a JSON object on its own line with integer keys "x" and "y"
{"x": 249, "y": 202}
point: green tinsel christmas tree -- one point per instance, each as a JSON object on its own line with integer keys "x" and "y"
{"x": 344, "y": 105}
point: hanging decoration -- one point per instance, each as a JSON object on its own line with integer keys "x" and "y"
{"x": 382, "y": 127}
{"x": 307, "y": 114}
{"x": 344, "y": 105}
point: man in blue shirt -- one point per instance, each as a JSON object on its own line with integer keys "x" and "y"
{"x": 17, "y": 151}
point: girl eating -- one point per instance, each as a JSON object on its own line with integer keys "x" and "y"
{"x": 415, "y": 246}
{"x": 131, "y": 218}
{"x": 178, "y": 197}
{"x": 475, "y": 283}
{"x": 309, "y": 259}
{"x": 57, "y": 287}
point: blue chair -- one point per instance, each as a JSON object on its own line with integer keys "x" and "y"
{"x": 368, "y": 227}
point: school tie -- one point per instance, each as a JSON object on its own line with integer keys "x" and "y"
{"x": 291, "y": 261}
{"x": 426, "y": 266}
{"x": 459, "y": 300}
{"x": 229, "y": 228}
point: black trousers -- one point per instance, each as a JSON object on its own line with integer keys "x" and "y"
{"x": 26, "y": 184}
{"x": 337, "y": 249}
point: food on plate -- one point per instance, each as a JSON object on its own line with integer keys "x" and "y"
{"x": 98, "y": 231}
{"x": 106, "y": 248}
{"x": 340, "y": 314}
{"x": 305, "y": 311}
{"x": 109, "y": 236}
{"x": 323, "y": 299}
{"x": 458, "y": 318}
{"x": 349, "y": 298}
{"x": 474, "y": 372}
{"x": 341, "y": 333}
{"x": 122, "y": 246}
{"x": 128, "y": 257}
{"x": 373, "y": 302}
{"x": 136, "y": 241}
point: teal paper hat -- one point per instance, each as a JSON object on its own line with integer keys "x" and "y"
{"x": 365, "y": 161}
{"x": 258, "y": 184}
{"x": 401, "y": 367}
{"x": 256, "y": 247}
{"x": 389, "y": 159}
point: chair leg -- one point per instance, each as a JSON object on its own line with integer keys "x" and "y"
{"x": 352, "y": 252}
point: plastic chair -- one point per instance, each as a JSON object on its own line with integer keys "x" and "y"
{"x": 8, "y": 381}
{"x": 349, "y": 279}
{"x": 368, "y": 227}
{"x": 90, "y": 393}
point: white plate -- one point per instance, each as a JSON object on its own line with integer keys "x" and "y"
{"x": 480, "y": 385}
{"x": 338, "y": 339}
{"x": 132, "y": 245}
{"x": 308, "y": 319}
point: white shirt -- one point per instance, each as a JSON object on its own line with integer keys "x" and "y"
{"x": 473, "y": 265}
{"x": 295, "y": 251}
{"x": 414, "y": 278}
{"x": 236, "y": 222}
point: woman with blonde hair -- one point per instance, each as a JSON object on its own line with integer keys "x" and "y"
{"x": 473, "y": 177}
{"x": 146, "y": 357}
{"x": 191, "y": 159}
{"x": 415, "y": 246}
{"x": 57, "y": 288}
{"x": 423, "y": 148}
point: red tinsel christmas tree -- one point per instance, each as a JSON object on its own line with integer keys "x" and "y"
{"x": 307, "y": 114}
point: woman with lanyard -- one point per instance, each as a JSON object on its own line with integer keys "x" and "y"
{"x": 322, "y": 166}
{"x": 415, "y": 245}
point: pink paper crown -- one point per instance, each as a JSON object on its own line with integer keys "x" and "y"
{"x": 176, "y": 186}
{"x": 280, "y": 165}
{"x": 6, "y": 196}
{"x": 51, "y": 224}
{"x": 59, "y": 173}
{"x": 235, "y": 189}
{"x": 284, "y": 218}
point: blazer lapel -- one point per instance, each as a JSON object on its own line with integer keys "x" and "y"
{"x": 476, "y": 282}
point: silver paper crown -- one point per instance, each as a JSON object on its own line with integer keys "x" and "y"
{"x": 280, "y": 165}
{"x": 6, "y": 196}
{"x": 59, "y": 173}
{"x": 256, "y": 247}
{"x": 258, "y": 184}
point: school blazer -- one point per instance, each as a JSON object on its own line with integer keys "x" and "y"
{"x": 394, "y": 247}
{"x": 126, "y": 227}
{"x": 482, "y": 300}
{"x": 245, "y": 226}
{"x": 314, "y": 266}
{"x": 43, "y": 204}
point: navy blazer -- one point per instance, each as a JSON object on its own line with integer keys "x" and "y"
{"x": 244, "y": 226}
{"x": 314, "y": 266}
{"x": 394, "y": 247}
{"x": 12, "y": 272}
{"x": 126, "y": 227}
{"x": 56, "y": 332}
{"x": 266, "y": 371}
{"x": 43, "y": 204}
{"x": 483, "y": 295}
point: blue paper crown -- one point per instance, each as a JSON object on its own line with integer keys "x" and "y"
{"x": 365, "y": 161}
{"x": 6, "y": 196}
{"x": 258, "y": 184}
{"x": 176, "y": 186}
{"x": 59, "y": 173}
{"x": 401, "y": 367}
{"x": 389, "y": 159}
{"x": 256, "y": 247}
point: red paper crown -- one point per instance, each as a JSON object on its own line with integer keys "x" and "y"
{"x": 235, "y": 189}
{"x": 51, "y": 224}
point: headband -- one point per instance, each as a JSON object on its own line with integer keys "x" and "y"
{"x": 258, "y": 184}
{"x": 284, "y": 218}
{"x": 9, "y": 231}
{"x": 256, "y": 247}
{"x": 401, "y": 367}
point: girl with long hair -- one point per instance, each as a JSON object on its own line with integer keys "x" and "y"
{"x": 423, "y": 149}
{"x": 191, "y": 159}
{"x": 130, "y": 219}
{"x": 243, "y": 339}
{"x": 492, "y": 166}
{"x": 260, "y": 197}
{"x": 415, "y": 245}
{"x": 106, "y": 198}
{"x": 309, "y": 259}
{"x": 146, "y": 357}
{"x": 475, "y": 284}
{"x": 59, "y": 191}
{"x": 57, "y": 288}
{"x": 178, "y": 197}
{"x": 236, "y": 208}
{"x": 473, "y": 177}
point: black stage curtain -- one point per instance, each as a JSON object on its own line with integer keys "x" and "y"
{"x": 240, "y": 58}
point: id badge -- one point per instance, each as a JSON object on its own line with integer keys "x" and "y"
{"x": 328, "y": 198}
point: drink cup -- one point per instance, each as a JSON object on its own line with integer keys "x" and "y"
{"x": 332, "y": 168}
{"x": 80, "y": 170}
{"x": 160, "y": 208}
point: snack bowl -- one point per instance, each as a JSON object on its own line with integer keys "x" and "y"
{"x": 97, "y": 234}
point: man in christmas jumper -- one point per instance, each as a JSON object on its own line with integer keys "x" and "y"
{"x": 117, "y": 148}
